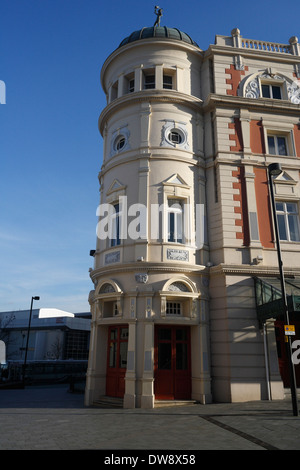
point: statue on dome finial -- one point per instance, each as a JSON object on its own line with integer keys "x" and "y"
{"x": 158, "y": 12}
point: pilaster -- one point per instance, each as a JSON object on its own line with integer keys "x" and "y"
{"x": 130, "y": 377}
{"x": 147, "y": 396}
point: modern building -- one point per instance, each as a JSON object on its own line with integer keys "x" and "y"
{"x": 54, "y": 335}
{"x": 186, "y": 265}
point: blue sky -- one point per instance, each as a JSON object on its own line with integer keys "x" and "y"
{"x": 51, "y": 53}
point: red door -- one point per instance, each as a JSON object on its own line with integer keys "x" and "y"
{"x": 283, "y": 360}
{"x": 116, "y": 360}
{"x": 172, "y": 363}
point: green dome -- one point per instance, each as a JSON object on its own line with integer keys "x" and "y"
{"x": 158, "y": 32}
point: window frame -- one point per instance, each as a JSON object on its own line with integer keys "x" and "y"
{"x": 277, "y": 147}
{"x": 166, "y": 77}
{"x": 177, "y": 222}
{"x": 277, "y": 83}
{"x": 284, "y": 130}
{"x": 131, "y": 84}
{"x": 150, "y": 74}
{"x": 175, "y": 132}
{"x": 285, "y": 215}
{"x": 271, "y": 86}
{"x": 120, "y": 139}
{"x": 176, "y": 306}
{"x": 115, "y": 226}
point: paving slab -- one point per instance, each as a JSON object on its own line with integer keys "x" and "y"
{"x": 52, "y": 418}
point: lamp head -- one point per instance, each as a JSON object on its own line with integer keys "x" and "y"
{"x": 36, "y": 298}
{"x": 274, "y": 169}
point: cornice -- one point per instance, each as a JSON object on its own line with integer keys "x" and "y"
{"x": 279, "y": 106}
{"x": 251, "y": 270}
{"x": 148, "y": 268}
{"x": 149, "y": 96}
{"x": 128, "y": 157}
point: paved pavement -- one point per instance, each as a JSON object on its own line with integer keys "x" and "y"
{"x": 54, "y": 419}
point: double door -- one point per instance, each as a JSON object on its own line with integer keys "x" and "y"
{"x": 172, "y": 363}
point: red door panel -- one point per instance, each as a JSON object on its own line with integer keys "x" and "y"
{"x": 172, "y": 363}
{"x": 116, "y": 360}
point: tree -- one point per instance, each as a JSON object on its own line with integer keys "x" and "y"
{"x": 56, "y": 348}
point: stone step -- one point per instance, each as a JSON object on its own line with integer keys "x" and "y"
{"x": 109, "y": 402}
{"x": 161, "y": 403}
{"x": 288, "y": 394}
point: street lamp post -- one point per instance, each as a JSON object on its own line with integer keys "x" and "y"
{"x": 274, "y": 169}
{"x": 27, "y": 340}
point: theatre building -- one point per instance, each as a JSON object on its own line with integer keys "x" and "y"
{"x": 186, "y": 299}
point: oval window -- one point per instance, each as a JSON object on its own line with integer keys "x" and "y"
{"x": 175, "y": 136}
{"x": 119, "y": 142}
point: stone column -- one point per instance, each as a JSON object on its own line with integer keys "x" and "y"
{"x": 201, "y": 380}
{"x": 147, "y": 397}
{"x": 159, "y": 77}
{"x": 275, "y": 381}
{"x": 96, "y": 372}
{"x": 130, "y": 385}
{"x": 295, "y": 47}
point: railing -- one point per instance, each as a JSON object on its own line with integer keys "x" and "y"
{"x": 265, "y": 46}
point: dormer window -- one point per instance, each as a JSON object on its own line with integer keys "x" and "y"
{"x": 271, "y": 91}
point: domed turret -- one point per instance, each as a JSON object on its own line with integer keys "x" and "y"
{"x": 159, "y": 32}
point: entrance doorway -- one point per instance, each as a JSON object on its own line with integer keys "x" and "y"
{"x": 116, "y": 360}
{"x": 172, "y": 363}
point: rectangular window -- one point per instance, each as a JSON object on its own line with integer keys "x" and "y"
{"x": 115, "y": 226}
{"x": 149, "y": 81}
{"x": 168, "y": 82}
{"x": 131, "y": 86}
{"x": 175, "y": 220}
{"x": 288, "y": 221}
{"x": 173, "y": 308}
{"x": 277, "y": 145}
{"x": 271, "y": 91}
{"x": 115, "y": 308}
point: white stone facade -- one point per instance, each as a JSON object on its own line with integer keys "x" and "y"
{"x": 214, "y": 168}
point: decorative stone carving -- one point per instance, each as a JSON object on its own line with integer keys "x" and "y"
{"x": 141, "y": 278}
{"x": 180, "y": 128}
{"x": 91, "y": 297}
{"x": 293, "y": 93}
{"x": 124, "y": 133}
{"x": 106, "y": 289}
{"x": 252, "y": 89}
{"x": 238, "y": 62}
{"x": 112, "y": 257}
{"x": 178, "y": 287}
{"x": 180, "y": 255}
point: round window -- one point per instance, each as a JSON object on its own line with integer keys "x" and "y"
{"x": 175, "y": 136}
{"x": 119, "y": 142}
